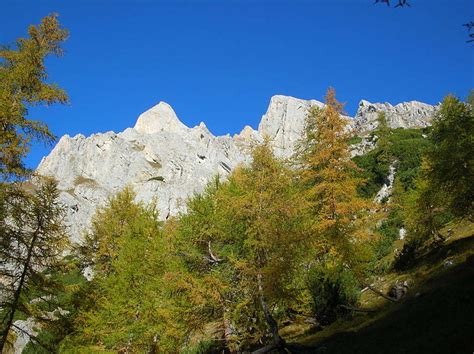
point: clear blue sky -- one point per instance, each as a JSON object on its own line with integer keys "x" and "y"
{"x": 220, "y": 61}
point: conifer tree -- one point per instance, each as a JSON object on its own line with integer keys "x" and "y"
{"x": 23, "y": 84}
{"x": 328, "y": 176}
{"x": 242, "y": 241}
{"x": 132, "y": 310}
{"x": 450, "y": 162}
{"x": 33, "y": 240}
{"x": 206, "y": 283}
{"x": 264, "y": 216}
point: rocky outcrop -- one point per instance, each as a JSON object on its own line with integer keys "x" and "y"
{"x": 162, "y": 158}
{"x": 159, "y": 158}
{"x": 384, "y": 194}
{"x": 284, "y": 121}
{"x": 404, "y": 115}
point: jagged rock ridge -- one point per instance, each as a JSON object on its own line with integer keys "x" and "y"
{"x": 404, "y": 115}
{"x": 164, "y": 159}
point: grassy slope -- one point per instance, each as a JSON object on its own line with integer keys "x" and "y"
{"x": 437, "y": 316}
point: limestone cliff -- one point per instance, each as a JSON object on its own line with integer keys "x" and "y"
{"x": 162, "y": 158}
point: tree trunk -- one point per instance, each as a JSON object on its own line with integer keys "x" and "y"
{"x": 278, "y": 342}
{"x": 16, "y": 296}
{"x": 228, "y": 332}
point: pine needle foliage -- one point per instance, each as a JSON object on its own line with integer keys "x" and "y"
{"x": 133, "y": 310}
{"x": 450, "y": 162}
{"x": 247, "y": 236}
{"x": 265, "y": 225}
{"x": 32, "y": 244}
{"x": 327, "y": 175}
{"x": 23, "y": 84}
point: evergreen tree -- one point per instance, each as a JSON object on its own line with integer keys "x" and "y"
{"x": 450, "y": 162}
{"x": 328, "y": 177}
{"x": 132, "y": 310}
{"x": 33, "y": 240}
{"x": 265, "y": 228}
{"x": 23, "y": 84}
{"x": 241, "y": 241}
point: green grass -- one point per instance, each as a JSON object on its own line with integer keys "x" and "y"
{"x": 355, "y": 140}
{"x": 435, "y": 317}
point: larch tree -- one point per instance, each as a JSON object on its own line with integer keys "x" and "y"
{"x": 206, "y": 282}
{"x": 265, "y": 232}
{"x": 132, "y": 307}
{"x": 32, "y": 238}
{"x": 23, "y": 84}
{"x": 328, "y": 177}
{"x": 33, "y": 241}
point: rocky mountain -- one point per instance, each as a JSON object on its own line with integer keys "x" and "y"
{"x": 162, "y": 158}
{"x": 404, "y": 115}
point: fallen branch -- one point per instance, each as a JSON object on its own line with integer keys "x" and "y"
{"x": 213, "y": 257}
{"x": 378, "y": 292}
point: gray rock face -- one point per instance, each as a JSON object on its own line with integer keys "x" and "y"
{"x": 284, "y": 122}
{"x": 386, "y": 191}
{"x": 162, "y": 158}
{"x": 22, "y": 338}
{"x": 404, "y": 115}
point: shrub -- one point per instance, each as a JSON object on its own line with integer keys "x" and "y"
{"x": 330, "y": 287}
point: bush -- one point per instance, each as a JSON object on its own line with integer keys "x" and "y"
{"x": 406, "y": 258}
{"x": 406, "y": 146}
{"x": 355, "y": 140}
{"x": 330, "y": 287}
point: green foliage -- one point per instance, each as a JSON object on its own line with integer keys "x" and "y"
{"x": 354, "y": 140}
{"x": 68, "y": 300}
{"x": 406, "y": 146}
{"x": 32, "y": 242}
{"x": 383, "y": 246}
{"x": 132, "y": 308}
{"x": 444, "y": 189}
{"x": 331, "y": 285}
{"x": 450, "y": 160}
{"x": 23, "y": 83}
{"x": 205, "y": 347}
{"x": 373, "y": 172}
{"x": 424, "y": 216}
{"x": 241, "y": 241}
{"x": 390, "y": 231}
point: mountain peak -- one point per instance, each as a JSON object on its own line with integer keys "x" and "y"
{"x": 159, "y": 118}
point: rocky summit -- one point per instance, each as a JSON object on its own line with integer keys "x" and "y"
{"x": 163, "y": 159}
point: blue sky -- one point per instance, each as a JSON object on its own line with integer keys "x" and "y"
{"x": 220, "y": 61}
